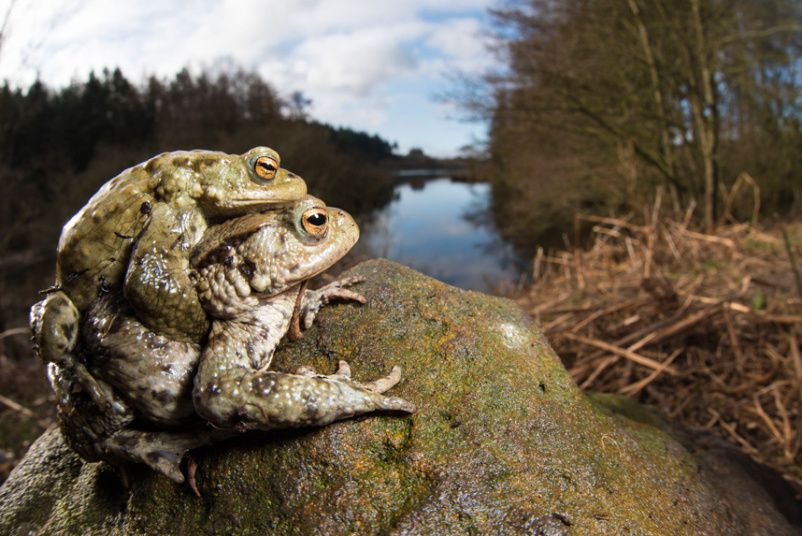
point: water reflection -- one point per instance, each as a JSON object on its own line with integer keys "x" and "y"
{"x": 441, "y": 228}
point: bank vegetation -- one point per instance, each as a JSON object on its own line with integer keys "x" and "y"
{"x": 596, "y": 103}
{"x": 648, "y": 156}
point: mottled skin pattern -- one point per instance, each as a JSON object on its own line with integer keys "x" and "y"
{"x": 248, "y": 274}
{"x": 136, "y": 233}
{"x": 151, "y": 372}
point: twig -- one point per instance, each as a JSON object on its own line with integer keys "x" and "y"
{"x": 780, "y": 319}
{"x": 15, "y": 331}
{"x": 17, "y": 407}
{"x": 629, "y": 354}
{"x": 711, "y": 238}
{"x": 797, "y": 359}
{"x": 730, "y": 428}
{"x": 673, "y": 330}
{"x": 786, "y": 434}
{"x": 634, "y": 388}
{"x": 612, "y": 221}
{"x": 595, "y": 374}
{"x": 537, "y": 268}
{"x": 688, "y": 214}
{"x": 736, "y": 347}
{"x": 549, "y": 327}
{"x": 769, "y": 423}
{"x": 635, "y": 302}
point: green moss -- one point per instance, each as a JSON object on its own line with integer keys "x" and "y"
{"x": 759, "y": 301}
{"x": 712, "y": 264}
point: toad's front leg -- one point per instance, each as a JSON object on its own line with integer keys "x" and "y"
{"x": 157, "y": 284}
{"x": 233, "y": 389}
{"x": 247, "y": 399}
{"x": 313, "y": 300}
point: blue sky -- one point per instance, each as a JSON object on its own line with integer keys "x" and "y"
{"x": 366, "y": 64}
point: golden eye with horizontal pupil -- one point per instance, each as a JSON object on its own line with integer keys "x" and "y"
{"x": 266, "y": 167}
{"x": 315, "y": 221}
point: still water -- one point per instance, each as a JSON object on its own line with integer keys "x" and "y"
{"x": 442, "y": 229}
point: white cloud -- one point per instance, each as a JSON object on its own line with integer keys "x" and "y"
{"x": 461, "y": 44}
{"x": 359, "y": 60}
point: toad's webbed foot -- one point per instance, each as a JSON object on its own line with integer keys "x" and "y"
{"x": 248, "y": 399}
{"x": 344, "y": 374}
{"x": 314, "y": 300}
{"x": 85, "y": 427}
{"x": 162, "y": 451}
{"x": 63, "y": 381}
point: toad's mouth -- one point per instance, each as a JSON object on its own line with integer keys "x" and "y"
{"x": 294, "y": 334}
{"x": 251, "y": 201}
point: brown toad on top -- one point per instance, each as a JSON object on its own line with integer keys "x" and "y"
{"x": 137, "y": 233}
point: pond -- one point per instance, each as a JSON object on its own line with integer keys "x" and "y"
{"x": 442, "y": 228}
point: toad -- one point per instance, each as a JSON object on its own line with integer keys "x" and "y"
{"x": 136, "y": 234}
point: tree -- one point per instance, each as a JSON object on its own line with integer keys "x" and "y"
{"x": 4, "y": 24}
{"x": 667, "y": 88}
{"x": 298, "y": 106}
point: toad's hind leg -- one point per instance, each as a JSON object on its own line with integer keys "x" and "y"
{"x": 111, "y": 437}
{"x": 55, "y": 323}
{"x": 248, "y": 399}
{"x": 163, "y": 451}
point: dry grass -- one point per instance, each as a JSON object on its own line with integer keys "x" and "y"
{"x": 705, "y": 327}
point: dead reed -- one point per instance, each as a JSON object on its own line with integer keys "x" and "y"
{"x": 705, "y": 327}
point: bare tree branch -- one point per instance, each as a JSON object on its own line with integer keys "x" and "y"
{"x": 4, "y": 26}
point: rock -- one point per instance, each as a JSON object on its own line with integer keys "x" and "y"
{"x": 503, "y": 442}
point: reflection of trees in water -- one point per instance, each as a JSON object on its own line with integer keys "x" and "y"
{"x": 515, "y": 255}
{"x": 377, "y": 237}
{"x": 462, "y": 246}
{"x": 527, "y": 224}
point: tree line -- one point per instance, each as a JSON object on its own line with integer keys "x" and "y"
{"x": 598, "y": 102}
{"x": 59, "y": 145}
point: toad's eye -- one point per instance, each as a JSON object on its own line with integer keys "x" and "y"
{"x": 266, "y": 167}
{"x": 315, "y": 221}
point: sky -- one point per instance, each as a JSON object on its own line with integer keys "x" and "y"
{"x": 372, "y": 65}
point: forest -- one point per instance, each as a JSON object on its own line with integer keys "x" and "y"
{"x": 597, "y": 104}
{"x": 58, "y": 146}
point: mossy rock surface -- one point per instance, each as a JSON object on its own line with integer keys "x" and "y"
{"x": 503, "y": 442}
